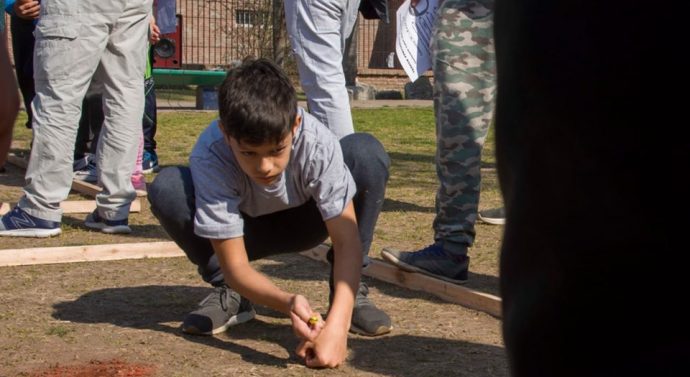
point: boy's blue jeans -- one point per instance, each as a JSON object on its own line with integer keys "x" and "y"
{"x": 296, "y": 229}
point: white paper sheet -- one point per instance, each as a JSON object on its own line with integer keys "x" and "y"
{"x": 413, "y": 38}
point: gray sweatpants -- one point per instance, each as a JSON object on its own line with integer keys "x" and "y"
{"x": 77, "y": 40}
{"x": 317, "y": 31}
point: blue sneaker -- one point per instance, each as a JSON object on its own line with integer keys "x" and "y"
{"x": 18, "y": 223}
{"x": 88, "y": 173}
{"x": 95, "y": 221}
{"x": 431, "y": 260}
{"x": 149, "y": 163}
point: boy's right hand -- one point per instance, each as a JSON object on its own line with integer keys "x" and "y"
{"x": 328, "y": 350}
{"x": 154, "y": 32}
{"x": 27, "y": 9}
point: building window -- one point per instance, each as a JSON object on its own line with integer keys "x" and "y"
{"x": 246, "y": 17}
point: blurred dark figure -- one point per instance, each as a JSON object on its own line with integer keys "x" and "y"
{"x": 591, "y": 158}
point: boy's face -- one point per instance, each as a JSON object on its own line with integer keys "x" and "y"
{"x": 263, "y": 163}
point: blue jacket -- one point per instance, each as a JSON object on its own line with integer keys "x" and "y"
{"x": 9, "y": 6}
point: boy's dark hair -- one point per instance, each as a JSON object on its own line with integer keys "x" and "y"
{"x": 257, "y": 103}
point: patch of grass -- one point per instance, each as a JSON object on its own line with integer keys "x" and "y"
{"x": 407, "y": 134}
{"x": 176, "y": 93}
{"x": 59, "y": 331}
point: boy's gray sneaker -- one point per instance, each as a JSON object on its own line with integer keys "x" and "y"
{"x": 494, "y": 216}
{"x": 432, "y": 261}
{"x": 221, "y": 309}
{"x": 367, "y": 319}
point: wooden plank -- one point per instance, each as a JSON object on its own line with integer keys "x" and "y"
{"x": 47, "y": 255}
{"x": 86, "y": 188}
{"x": 81, "y": 187}
{"x": 458, "y": 294}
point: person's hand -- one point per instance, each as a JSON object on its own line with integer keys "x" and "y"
{"x": 305, "y": 323}
{"x": 154, "y": 32}
{"x": 328, "y": 350}
{"x": 27, "y": 9}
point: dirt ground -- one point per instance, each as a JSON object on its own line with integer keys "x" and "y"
{"x": 122, "y": 318}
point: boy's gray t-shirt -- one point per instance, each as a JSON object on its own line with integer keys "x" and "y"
{"x": 316, "y": 170}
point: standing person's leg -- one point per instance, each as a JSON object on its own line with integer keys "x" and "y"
{"x": 318, "y": 30}
{"x": 85, "y": 147}
{"x": 122, "y": 67}
{"x": 465, "y": 86}
{"x": 138, "y": 179}
{"x": 96, "y": 118}
{"x": 149, "y": 127}
{"x": 23, "y": 53}
{"x": 464, "y": 89}
{"x": 64, "y": 62}
{"x": 171, "y": 195}
{"x": 368, "y": 163}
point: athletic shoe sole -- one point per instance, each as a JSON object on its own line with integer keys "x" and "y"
{"x": 154, "y": 169}
{"x": 31, "y": 232}
{"x": 381, "y": 330}
{"x": 410, "y": 268}
{"x": 234, "y": 320}
{"x": 105, "y": 228}
{"x": 492, "y": 221}
{"x": 109, "y": 229}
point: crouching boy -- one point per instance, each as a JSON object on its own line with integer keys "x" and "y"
{"x": 268, "y": 178}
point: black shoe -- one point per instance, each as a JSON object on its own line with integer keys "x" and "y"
{"x": 221, "y": 309}
{"x": 367, "y": 319}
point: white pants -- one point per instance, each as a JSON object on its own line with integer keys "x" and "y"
{"x": 318, "y": 30}
{"x": 77, "y": 40}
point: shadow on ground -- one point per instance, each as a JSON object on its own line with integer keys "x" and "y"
{"x": 392, "y": 205}
{"x": 153, "y": 307}
{"x": 288, "y": 268}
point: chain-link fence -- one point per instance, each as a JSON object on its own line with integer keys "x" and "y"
{"x": 216, "y": 34}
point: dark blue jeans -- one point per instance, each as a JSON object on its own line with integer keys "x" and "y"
{"x": 296, "y": 229}
{"x": 150, "y": 121}
{"x": 90, "y": 125}
{"x": 23, "y": 53}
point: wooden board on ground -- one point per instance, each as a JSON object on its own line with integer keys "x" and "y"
{"x": 90, "y": 253}
{"x": 81, "y": 187}
{"x": 75, "y": 206}
{"x": 377, "y": 269}
{"x": 450, "y": 292}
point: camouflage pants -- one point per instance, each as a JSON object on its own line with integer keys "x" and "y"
{"x": 464, "y": 89}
